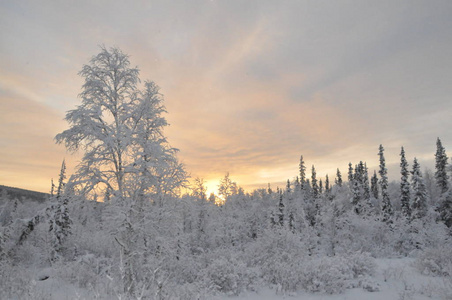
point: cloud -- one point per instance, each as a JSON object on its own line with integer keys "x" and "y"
{"x": 28, "y": 155}
{"x": 249, "y": 86}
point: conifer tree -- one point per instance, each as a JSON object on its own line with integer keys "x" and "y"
{"x": 61, "y": 179}
{"x": 350, "y": 173}
{"x": 289, "y": 207}
{"x": 367, "y": 203}
{"x": 365, "y": 184}
{"x": 272, "y": 218}
{"x": 302, "y": 169}
{"x": 320, "y": 186}
{"x": 404, "y": 185}
{"x": 356, "y": 200}
{"x": 314, "y": 185}
{"x": 386, "y": 201}
{"x": 52, "y": 188}
{"x": 297, "y": 184}
{"x": 419, "y": 205}
{"x": 374, "y": 185}
{"x": 445, "y": 208}
{"x": 327, "y": 184}
{"x": 288, "y": 189}
{"x": 60, "y": 221}
{"x": 281, "y": 210}
{"x": 338, "y": 179}
{"x": 441, "y": 167}
{"x": 291, "y": 221}
{"x": 359, "y": 173}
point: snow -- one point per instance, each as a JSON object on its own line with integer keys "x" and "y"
{"x": 397, "y": 278}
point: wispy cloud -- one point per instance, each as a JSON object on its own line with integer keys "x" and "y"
{"x": 249, "y": 86}
{"x": 28, "y": 155}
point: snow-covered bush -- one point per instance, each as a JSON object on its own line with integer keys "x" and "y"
{"x": 88, "y": 270}
{"x": 333, "y": 275}
{"x": 188, "y": 291}
{"x": 227, "y": 274}
{"x": 361, "y": 264}
{"x": 325, "y": 275}
{"x": 413, "y": 237}
{"x": 278, "y": 254}
{"x": 15, "y": 282}
{"x": 285, "y": 261}
{"x": 435, "y": 261}
{"x": 87, "y": 240}
{"x": 35, "y": 250}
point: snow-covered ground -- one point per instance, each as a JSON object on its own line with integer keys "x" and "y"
{"x": 396, "y": 279}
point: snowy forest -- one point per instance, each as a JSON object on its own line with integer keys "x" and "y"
{"x": 131, "y": 224}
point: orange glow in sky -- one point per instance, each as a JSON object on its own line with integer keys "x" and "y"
{"x": 249, "y": 86}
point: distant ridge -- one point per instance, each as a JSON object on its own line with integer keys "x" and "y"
{"x": 18, "y": 193}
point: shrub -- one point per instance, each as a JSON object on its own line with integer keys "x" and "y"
{"x": 435, "y": 261}
{"x": 228, "y": 274}
{"x": 326, "y": 275}
{"x": 333, "y": 275}
{"x": 361, "y": 264}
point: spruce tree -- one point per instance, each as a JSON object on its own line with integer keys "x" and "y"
{"x": 365, "y": 184}
{"x": 314, "y": 185}
{"x": 445, "y": 208}
{"x": 359, "y": 173}
{"x": 289, "y": 208}
{"x": 386, "y": 201}
{"x": 302, "y": 170}
{"x": 308, "y": 186}
{"x": 272, "y": 218}
{"x": 60, "y": 221}
{"x": 419, "y": 205}
{"x": 327, "y": 184}
{"x": 350, "y": 173}
{"x": 61, "y": 179}
{"x": 297, "y": 184}
{"x": 288, "y": 189}
{"x": 338, "y": 180}
{"x": 374, "y": 185}
{"x": 52, "y": 188}
{"x": 281, "y": 209}
{"x": 404, "y": 185}
{"x": 356, "y": 200}
{"x": 320, "y": 186}
{"x": 441, "y": 167}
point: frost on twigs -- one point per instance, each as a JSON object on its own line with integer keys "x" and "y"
{"x": 435, "y": 261}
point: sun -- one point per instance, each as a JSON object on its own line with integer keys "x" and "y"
{"x": 211, "y": 188}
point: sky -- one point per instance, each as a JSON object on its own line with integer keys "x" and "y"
{"x": 249, "y": 85}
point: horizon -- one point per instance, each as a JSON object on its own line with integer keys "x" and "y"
{"x": 249, "y": 87}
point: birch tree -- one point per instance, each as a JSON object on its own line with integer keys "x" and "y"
{"x": 119, "y": 127}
